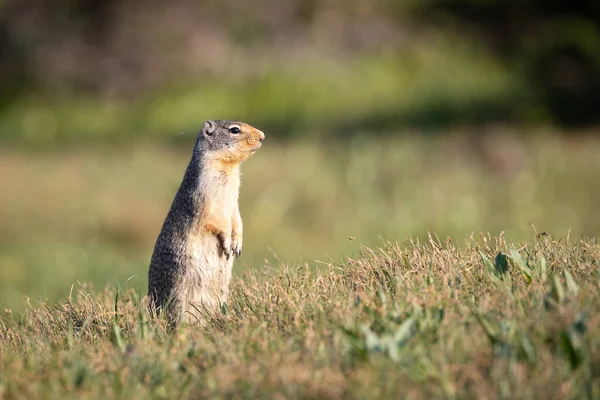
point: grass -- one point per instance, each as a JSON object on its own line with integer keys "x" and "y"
{"x": 85, "y": 184}
{"x": 92, "y": 215}
{"x": 479, "y": 319}
{"x": 428, "y": 88}
{"x": 417, "y": 318}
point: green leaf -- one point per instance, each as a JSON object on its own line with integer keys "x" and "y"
{"x": 526, "y": 347}
{"x": 501, "y": 263}
{"x": 405, "y": 331}
{"x": 224, "y": 308}
{"x": 491, "y": 331}
{"x": 570, "y": 344}
{"x": 494, "y": 272}
{"x": 488, "y": 264}
{"x": 142, "y": 324}
{"x": 372, "y": 341}
{"x": 521, "y": 264}
{"x": 558, "y": 290}
{"x": 572, "y": 287}
{"x": 579, "y": 325}
{"x": 542, "y": 268}
{"x": 116, "y": 337}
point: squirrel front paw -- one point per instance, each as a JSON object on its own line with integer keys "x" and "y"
{"x": 224, "y": 244}
{"x": 236, "y": 245}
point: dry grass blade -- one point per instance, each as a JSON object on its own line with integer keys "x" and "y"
{"x": 433, "y": 320}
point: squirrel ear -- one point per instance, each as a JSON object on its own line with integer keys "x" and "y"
{"x": 209, "y": 127}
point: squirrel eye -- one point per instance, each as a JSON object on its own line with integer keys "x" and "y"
{"x": 234, "y": 129}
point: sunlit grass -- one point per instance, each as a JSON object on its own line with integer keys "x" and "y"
{"x": 93, "y": 215}
{"x": 486, "y": 319}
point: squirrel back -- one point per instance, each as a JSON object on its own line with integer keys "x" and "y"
{"x": 192, "y": 260}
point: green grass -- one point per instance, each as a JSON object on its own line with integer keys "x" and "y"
{"x": 93, "y": 215}
{"x": 481, "y": 319}
{"x": 428, "y": 88}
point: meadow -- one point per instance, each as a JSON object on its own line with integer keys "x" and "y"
{"x": 364, "y": 274}
{"x": 481, "y": 319}
{"x": 92, "y": 215}
{"x": 398, "y": 241}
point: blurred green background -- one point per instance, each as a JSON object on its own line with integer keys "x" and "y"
{"x": 383, "y": 119}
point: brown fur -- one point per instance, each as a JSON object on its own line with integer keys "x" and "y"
{"x": 202, "y": 234}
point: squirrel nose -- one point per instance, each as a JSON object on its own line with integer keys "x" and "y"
{"x": 261, "y": 136}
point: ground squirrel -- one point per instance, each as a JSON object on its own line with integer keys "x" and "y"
{"x": 202, "y": 233}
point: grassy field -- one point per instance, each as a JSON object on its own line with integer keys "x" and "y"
{"x": 321, "y": 305}
{"x": 92, "y": 215}
{"x": 424, "y": 145}
{"x": 480, "y": 319}
{"x": 429, "y": 87}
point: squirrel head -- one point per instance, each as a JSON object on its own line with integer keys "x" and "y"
{"x": 229, "y": 142}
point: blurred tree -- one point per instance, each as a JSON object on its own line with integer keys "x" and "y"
{"x": 121, "y": 48}
{"x": 13, "y": 74}
{"x": 30, "y": 31}
{"x": 554, "y": 43}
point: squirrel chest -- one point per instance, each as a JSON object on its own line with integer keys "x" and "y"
{"x": 210, "y": 270}
{"x": 218, "y": 203}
